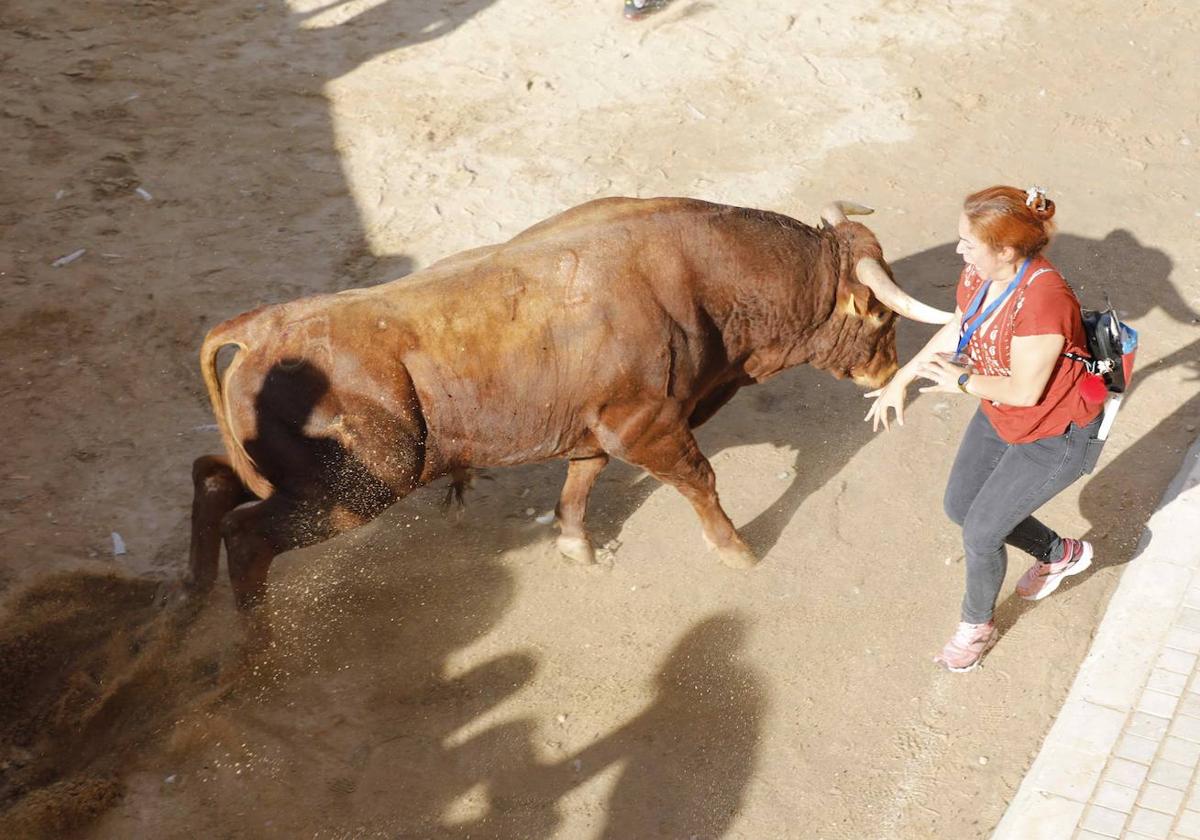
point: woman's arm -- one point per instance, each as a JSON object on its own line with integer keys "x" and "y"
{"x": 1032, "y": 361}
{"x": 945, "y": 340}
{"x": 891, "y": 396}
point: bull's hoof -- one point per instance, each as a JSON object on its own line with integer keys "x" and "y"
{"x": 737, "y": 557}
{"x": 577, "y": 550}
{"x": 172, "y": 593}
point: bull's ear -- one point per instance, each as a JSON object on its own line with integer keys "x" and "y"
{"x": 856, "y": 301}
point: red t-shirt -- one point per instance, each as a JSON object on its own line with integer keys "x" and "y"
{"x": 1042, "y": 305}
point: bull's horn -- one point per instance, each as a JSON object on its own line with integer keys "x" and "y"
{"x": 836, "y": 212}
{"x": 871, "y": 274}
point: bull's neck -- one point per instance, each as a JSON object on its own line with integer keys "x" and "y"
{"x": 777, "y": 312}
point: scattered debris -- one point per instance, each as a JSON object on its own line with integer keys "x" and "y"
{"x": 983, "y": 759}
{"x": 68, "y": 259}
{"x": 206, "y": 427}
{"x": 696, "y": 112}
{"x": 58, "y": 196}
{"x": 143, "y": 194}
{"x": 118, "y": 544}
{"x": 170, "y": 780}
{"x": 545, "y": 519}
{"x": 530, "y": 511}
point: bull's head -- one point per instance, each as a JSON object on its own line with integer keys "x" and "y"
{"x": 868, "y": 294}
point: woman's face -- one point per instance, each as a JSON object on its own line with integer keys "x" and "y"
{"x": 975, "y": 252}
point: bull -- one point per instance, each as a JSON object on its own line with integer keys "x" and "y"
{"x": 608, "y": 331}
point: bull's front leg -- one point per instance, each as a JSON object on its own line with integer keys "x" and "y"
{"x": 573, "y": 541}
{"x": 672, "y": 455}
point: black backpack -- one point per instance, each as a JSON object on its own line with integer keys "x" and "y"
{"x": 1112, "y": 348}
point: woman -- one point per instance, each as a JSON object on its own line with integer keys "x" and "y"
{"x": 1034, "y": 433}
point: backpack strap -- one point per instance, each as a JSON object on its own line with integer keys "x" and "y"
{"x": 1036, "y": 274}
{"x": 1090, "y": 364}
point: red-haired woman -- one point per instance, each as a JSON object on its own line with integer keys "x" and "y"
{"x": 1034, "y": 433}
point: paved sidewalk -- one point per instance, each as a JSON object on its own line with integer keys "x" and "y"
{"x": 1121, "y": 759}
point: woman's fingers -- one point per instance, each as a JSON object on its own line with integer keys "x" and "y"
{"x": 878, "y": 414}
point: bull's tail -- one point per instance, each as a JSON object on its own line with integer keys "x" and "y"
{"x": 239, "y": 459}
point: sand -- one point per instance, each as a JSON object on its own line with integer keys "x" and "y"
{"x": 453, "y": 677}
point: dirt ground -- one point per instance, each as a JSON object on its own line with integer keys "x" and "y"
{"x": 442, "y": 677}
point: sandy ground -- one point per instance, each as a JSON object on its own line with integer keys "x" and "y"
{"x": 454, "y": 678}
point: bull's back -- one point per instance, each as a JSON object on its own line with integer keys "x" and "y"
{"x": 501, "y": 354}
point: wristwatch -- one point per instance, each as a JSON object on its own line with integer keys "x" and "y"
{"x": 962, "y": 383}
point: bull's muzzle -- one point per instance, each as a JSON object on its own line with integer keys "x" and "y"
{"x": 876, "y": 378}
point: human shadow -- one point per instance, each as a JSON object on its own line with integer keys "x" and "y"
{"x": 685, "y": 761}
{"x": 317, "y": 469}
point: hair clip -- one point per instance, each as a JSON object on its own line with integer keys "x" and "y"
{"x": 1035, "y": 197}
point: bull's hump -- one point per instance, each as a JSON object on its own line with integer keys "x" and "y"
{"x": 560, "y": 241}
{"x": 601, "y": 212}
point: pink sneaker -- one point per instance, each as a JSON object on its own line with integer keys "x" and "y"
{"x": 967, "y": 646}
{"x": 1043, "y": 578}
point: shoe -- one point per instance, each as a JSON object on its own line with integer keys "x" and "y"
{"x": 1043, "y": 578}
{"x": 967, "y": 646}
{"x": 638, "y": 9}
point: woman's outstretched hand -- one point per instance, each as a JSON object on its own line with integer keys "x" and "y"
{"x": 889, "y": 397}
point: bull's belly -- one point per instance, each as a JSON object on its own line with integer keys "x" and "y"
{"x": 498, "y": 444}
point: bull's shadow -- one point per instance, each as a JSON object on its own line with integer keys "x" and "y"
{"x": 821, "y": 419}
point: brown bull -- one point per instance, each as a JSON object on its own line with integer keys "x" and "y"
{"x": 610, "y": 330}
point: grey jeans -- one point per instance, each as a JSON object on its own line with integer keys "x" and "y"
{"x": 994, "y": 489}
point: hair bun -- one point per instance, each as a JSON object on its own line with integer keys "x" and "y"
{"x": 1041, "y": 207}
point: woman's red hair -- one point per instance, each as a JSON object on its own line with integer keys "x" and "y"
{"x": 1001, "y": 217}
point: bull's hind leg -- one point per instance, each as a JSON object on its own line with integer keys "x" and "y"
{"x": 218, "y": 490}
{"x": 574, "y": 542}
{"x": 672, "y": 456}
{"x": 256, "y": 534}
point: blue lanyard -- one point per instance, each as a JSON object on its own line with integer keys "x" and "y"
{"x": 964, "y": 337}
